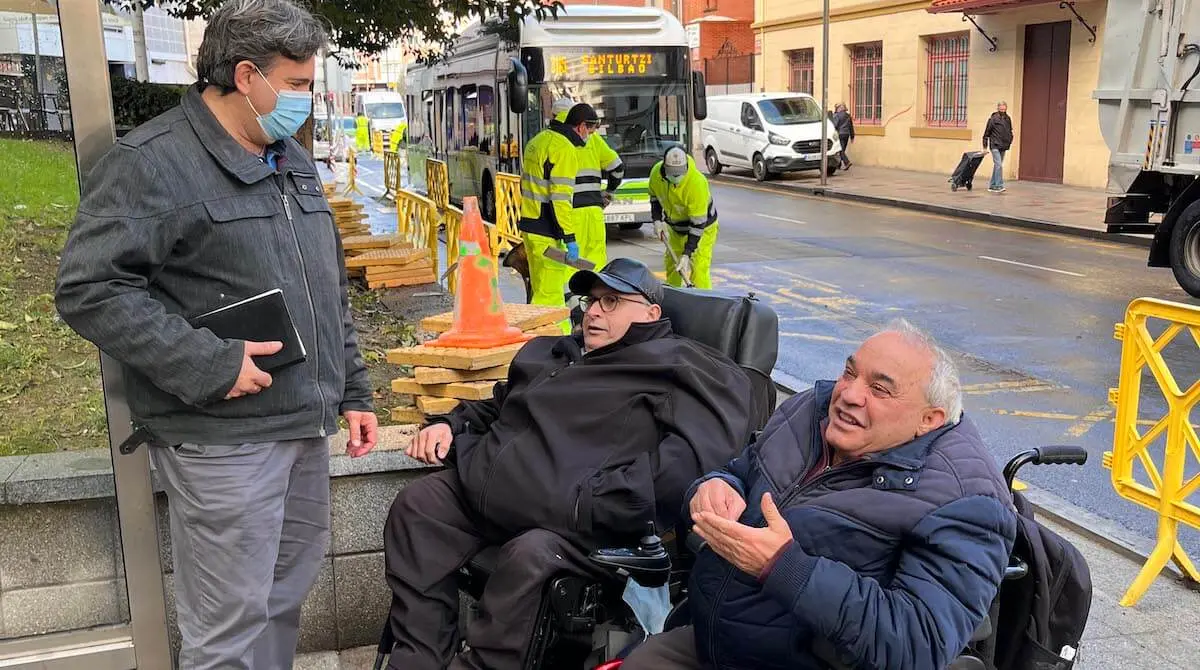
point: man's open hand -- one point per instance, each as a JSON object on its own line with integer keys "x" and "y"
{"x": 718, "y": 497}
{"x": 251, "y": 380}
{"x": 364, "y": 432}
{"x": 746, "y": 547}
{"x": 431, "y": 444}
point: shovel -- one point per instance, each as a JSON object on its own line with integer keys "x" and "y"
{"x": 675, "y": 261}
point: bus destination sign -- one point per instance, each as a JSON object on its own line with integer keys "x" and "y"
{"x": 606, "y": 64}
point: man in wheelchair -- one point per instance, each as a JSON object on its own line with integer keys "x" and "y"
{"x": 868, "y": 527}
{"x": 587, "y": 441}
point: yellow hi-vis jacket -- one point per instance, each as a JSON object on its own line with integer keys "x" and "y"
{"x": 687, "y": 207}
{"x": 597, "y": 162}
{"x": 549, "y": 168}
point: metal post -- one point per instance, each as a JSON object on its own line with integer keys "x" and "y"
{"x": 88, "y": 83}
{"x": 825, "y": 93}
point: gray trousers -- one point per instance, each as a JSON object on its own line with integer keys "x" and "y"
{"x": 672, "y": 650}
{"x": 249, "y": 528}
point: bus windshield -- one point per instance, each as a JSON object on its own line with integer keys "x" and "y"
{"x": 639, "y": 120}
{"x": 385, "y": 110}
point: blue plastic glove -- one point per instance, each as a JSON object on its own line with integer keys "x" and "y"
{"x": 572, "y": 251}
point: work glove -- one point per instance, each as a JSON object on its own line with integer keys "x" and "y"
{"x": 684, "y": 267}
{"x": 660, "y": 230}
{"x": 572, "y": 252}
{"x": 606, "y": 197}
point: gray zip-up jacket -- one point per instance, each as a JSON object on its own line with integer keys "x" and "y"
{"x": 178, "y": 219}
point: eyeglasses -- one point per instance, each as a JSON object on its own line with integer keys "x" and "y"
{"x": 608, "y": 301}
{"x": 592, "y": 125}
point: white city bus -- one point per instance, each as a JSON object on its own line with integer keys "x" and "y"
{"x": 476, "y": 108}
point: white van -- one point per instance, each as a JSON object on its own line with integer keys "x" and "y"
{"x": 384, "y": 110}
{"x": 766, "y": 132}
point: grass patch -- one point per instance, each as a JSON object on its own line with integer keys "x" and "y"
{"x": 50, "y": 391}
{"x": 50, "y": 394}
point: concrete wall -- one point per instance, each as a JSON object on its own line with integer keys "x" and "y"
{"x": 61, "y": 567}
{"x": 902, "y": 140}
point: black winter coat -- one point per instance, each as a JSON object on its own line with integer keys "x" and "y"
{"x": 593, "y": 446}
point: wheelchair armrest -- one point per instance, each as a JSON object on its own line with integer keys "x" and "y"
{"x": 648, "y": 564}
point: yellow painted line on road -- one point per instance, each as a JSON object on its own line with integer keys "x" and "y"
{"x": 1091, "y": 419}
{"x": 1019, "y": 485}
{"x": 1015, "y": 386}
{"x": 661, "y": 275}
{"x": 1037, "y": 415}
{"x": 838, "y": 303}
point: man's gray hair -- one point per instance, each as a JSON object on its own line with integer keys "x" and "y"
{"x": 944, "y": 389}
{"x": 258, "y": 31}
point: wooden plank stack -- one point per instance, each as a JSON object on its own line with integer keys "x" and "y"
{"x": 395, "y": 265}
{"x": 443, "y": 377}
{"x": 349, "y": 216}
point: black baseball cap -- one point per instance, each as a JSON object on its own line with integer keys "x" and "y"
{"x": 624, "y": 275}
{"x": 581, "y": 113}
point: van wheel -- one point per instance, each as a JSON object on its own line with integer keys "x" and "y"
{"x": 1185, "y": 250}
{"x": 760, "y": 168}
{"x": 714, "y": 164}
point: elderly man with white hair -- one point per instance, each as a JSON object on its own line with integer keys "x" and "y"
{"x": 867, "y": 527}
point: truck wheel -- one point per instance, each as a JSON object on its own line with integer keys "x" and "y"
{"x": 1185, "y": 250}
{"x": 489, "y": 200}
{"x": 714, "y": 164}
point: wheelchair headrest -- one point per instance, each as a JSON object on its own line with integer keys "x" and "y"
{"x": 741, "y": 327}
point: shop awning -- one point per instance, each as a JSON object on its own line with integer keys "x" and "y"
{"x": 980, "y": 6}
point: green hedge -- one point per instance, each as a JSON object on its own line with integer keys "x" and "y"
{"x": 135, "y": 102}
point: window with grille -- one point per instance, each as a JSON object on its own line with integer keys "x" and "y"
{"x": 800, "y": 68}
{"x": 946, "y": 80}
{"x": 866, "y": 87}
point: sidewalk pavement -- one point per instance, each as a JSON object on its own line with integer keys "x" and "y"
{"x": 1055, "y": 207}
{"x": 1157, "y": 634}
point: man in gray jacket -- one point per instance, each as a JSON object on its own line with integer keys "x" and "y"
{"x": 203, "y": 206}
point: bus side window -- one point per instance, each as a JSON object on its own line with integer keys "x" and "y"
{"x": 487, "y": 120}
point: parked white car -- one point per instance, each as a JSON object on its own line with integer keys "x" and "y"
{"x": 768, "y": 133}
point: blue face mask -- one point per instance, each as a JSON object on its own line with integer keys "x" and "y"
{"x": 292, "y": 109}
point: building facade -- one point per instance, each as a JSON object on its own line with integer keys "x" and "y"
{"x": 921, "y": 78}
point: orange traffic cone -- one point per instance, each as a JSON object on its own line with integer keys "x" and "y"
{"x": 479, "y": 321}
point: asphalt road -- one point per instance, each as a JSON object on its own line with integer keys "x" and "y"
{"x": 1028, "y": 315}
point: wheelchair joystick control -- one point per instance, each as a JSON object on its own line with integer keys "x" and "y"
{"x": 648, "y": 564}
{"x": 651, "y": 543}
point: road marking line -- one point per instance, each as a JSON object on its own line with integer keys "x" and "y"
{"x": 816, "y": 284}
{"x": 1085, "y": 424}
{"x": 1018, "y": 386}
{"x": 1028, "y": 265}
{"x": 820, "y": 338}
{"x": 1037, "y": 415}
{"x": 780, "y": 218}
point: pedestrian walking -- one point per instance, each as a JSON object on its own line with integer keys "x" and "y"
{"x": 211, "y": 205}
{"x": 998, "y": 138}
{"x": 844, "y": 124}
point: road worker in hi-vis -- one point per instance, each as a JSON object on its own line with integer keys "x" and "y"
{"x": 549, "y": 168}
{"x": 597, "y": 163}
{"x": 685, "y": 218}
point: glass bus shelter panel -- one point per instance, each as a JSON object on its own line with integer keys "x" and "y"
{"x": 61, "y": 566}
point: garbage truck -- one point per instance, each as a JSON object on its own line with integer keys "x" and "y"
{"x": 1148, "y": 93}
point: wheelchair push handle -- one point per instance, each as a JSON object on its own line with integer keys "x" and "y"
{"x": 1049, "y": 455}
{"x": 1061, "y": 455}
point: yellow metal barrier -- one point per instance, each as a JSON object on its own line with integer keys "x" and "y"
{"x": 508, "y": 209}
{"x": 351, "y": 173}
{"x": 437, "y": 178}
{"x": 391, "y": 173}
{"x": 417, "y": 222}
{"x": 1166, "y": 493}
